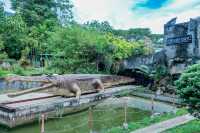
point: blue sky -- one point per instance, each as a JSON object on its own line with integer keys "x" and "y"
{"x": 136, "y": 13}
{"x": 151, "y": 4}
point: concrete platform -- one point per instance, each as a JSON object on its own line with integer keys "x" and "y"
{"x": 28, "y": 108}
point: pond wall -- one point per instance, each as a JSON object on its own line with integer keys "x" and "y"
{"x": 140, "y": 103}
{"x": 18, "y": 84}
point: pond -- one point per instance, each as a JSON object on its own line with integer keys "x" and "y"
{"x": 104, "y": 118}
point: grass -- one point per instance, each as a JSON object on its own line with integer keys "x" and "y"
{"x": 146, "y": 122}
{"x": 24, "y": 72}
{"x": 3, "y": 73}
{"x": 190, "y": 127}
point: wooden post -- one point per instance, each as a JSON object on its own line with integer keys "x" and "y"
{"x": 42, "y": 123}
{"x": 90, "y": 121}
{"x": 152, "y": 105}
{"x": 125, "y": 124}
{"x": 174, "y": 106}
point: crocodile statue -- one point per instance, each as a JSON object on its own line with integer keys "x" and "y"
{"x": 71, "y": 85}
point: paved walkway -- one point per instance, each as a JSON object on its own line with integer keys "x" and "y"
{"x": 162, "y": 126}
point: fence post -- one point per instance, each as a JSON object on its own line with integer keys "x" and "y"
{"x": 125, "y": 124}
{"x": 42, "y": 123}
{"x": 152, "y": 105}
{"x": 174, "y": 106}
{"x": 90, "y": 121}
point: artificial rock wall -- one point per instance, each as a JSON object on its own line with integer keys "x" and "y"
{"x": 182, "y": 44}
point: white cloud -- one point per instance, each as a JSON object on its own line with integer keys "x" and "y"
{"x": 120, "y": 14}
{"x": 114, "y": 11}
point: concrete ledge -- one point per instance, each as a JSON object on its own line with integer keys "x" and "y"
{"x": 165, "y": 125}
{"x": 160, "y": 98}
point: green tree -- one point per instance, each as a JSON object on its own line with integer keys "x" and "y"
{"x": 13, "y": 32}
{"x": 35, "y": 12}
{"x": 2, "y": 16}
{"x": 40, "y": 33}
{"x": 188, "y": 88}
{"x": 77, "y": 47}
{"x": 100, "y": 26}
{"x": 3, "y": 54}
{"x": 41, "y": 18}
{"x": 124, "y": 49}
{"x": 137, "y": 33}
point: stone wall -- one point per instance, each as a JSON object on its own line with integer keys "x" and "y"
{"x": 149, "y": 60}
{"x": 136, "y": 62}
{"x": 18, "y": 84}
{"x": 182, "y": 47}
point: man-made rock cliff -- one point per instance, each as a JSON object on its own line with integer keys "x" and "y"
{"x": 182, "y": 44}
{"x": 182, "y": 48}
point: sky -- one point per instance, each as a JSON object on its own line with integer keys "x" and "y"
{"x": 7, "y": 5}
{"x": 124, "y": 14}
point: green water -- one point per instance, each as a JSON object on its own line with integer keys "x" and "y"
{"x": 103, "y": 119}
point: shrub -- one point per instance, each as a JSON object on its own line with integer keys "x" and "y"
{"x": 18, "y": 70}
{"x": 188, "y": 88}
{"x": 3, "y": 73}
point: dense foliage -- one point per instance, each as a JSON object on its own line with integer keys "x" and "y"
{"x": 136, "y": 34}
{"x": 99, "y": 26}
{"x": 86, "y": 48}
{"x": 35, "y": 12}
{"x": 188, "y": 87}
{"x": 47, "y": 28}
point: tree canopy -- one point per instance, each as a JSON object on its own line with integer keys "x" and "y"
{"x": 35, "y": 12}
{"x": 47, "y": 27}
